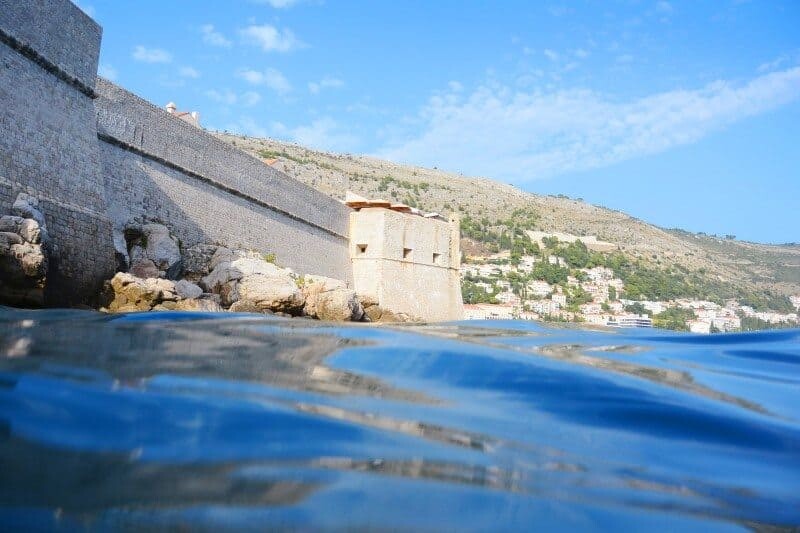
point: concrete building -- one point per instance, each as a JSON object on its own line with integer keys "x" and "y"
{"x": 408, "y": 263}
{"x": 630, "y": 321}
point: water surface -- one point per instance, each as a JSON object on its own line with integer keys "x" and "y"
{"x": 241, "y": 422}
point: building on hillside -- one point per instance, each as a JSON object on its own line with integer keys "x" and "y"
{"x": 539, "y": 288}
{"x": 407, "y": 262}
{"x": 489, "y": 312}
{"x": 699, "y": 326}
{"x": 192, "y": 117}
{"x": 599, "y": 273}
{"x": 630, "y": 321}
{"x": 560, "y": 298}
{"x": 795, "y": 301}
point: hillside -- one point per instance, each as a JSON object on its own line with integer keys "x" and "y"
{"x": 746, "y": 265}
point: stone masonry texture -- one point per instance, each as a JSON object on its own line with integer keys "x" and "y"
{"x": 99, "y": 158}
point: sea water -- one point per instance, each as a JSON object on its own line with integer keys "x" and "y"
{"x": 243, "y": 422}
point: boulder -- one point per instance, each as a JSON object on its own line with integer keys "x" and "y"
{"x": 27, "y": 206}
{"x": 278, "y": 294}
{"x": 30, "y": 230}
{"x": 162, "y": 249}
{"x": 8, "y": 239}
{"x": 129, "y": 293}
{"x": 187, "y": 290}
{"x": 261, "y": 286}
{"x": 198, "y": 304}
{"x": 10, "y": 223}
{"x": 330, "y": 299}
{"x": 196, "y": 260}
{"x": 144, "y": 268}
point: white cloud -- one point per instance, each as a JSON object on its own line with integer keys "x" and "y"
{"x": 581, "y": 53}
{"x": 325, "y": 83}
{"x": 189, "y": 72}
{"x": 455, "y": 86}
{"x": 552, "y": 55}
{"x": 270, "y": 78}
{"x": 772, "y": 65}
{"x": 151, "y": 55}
{"x": 226, "y": 96}
{"x": 213, "y": 37}
{"x": 523, "y": 136}
{"x": 250, "y": 98}
{"x": 270, "y": 38}
{"x": 107, "y": 71}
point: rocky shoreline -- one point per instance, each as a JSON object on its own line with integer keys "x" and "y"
{"x": 155, "y": 274}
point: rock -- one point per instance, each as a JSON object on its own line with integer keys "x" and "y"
{"x": 198, "y": 304}
{"x": 247, "y": 307}
{"x": 247, "y": 278}
{"x": 26, "y": 206}
{"x": 144, "y": 268}
{"x": 330, "y": 299}
{"x": 278, "y": 294}
{"x": 10, "y": 223}
{"x": 31, "y": 258}
{"x": 162, "y": 248}
{"x": 30, "y": 230}
{"x": 339, "y": 305}
{"x": 196, "y": 260}
{"x": 127, "y": 293}
{"x": 373, "y": 312}
{"x": 186, "y": 290}
{"x": 7, "y": 239}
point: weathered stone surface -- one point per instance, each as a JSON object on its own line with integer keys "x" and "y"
{"x": 7, "y": 239}
{"x": 373, "y": 312}
{"x": 127, "y": 293}
{"x": 247, "y": 307}
{"x": 30, "y": 230}
{"x": 271, "y": 293}
{"x": 10, "y": 223}
{"x": 144, "y": 268}
{"x": 244, "y": 277}
{"x": 197, "y": 260}
{"x": 198, "y": 304}
{"x": 187, "y": 290}
{"x": 23, "y": 259}
{"x": 26, "y": 206}
{"x": 162, "y": 248}
{"x": 330, "y": 299}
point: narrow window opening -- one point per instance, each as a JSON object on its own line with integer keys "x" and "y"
{"x": 361, "y": 249}
{"x": 437, "y": 259}
{"x": 407, "y": 253}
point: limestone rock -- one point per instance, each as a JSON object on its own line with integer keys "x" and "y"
{"x": 198, "y": 304}
{"x": 144, "y": 268}
{"x": 10, "y": 223}
{"x": 27, "y": 206}
{"x": 186, "y": 290}
{"x": 271, "y": 293}
{"x": 261, "y": 286}
{"x": 243, "y": 306}
{"x": 127, "y": 293}
{"x": 330, "y": 299}
{"x": 196, "y": 260}
{"x": 162, "y": 248}
{"x": 30, "y": 230}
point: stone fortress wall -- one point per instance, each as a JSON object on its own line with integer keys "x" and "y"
{"x": 158, "y": 167}
{"x": 48, "y": 139}
{"x": 97, "y": 157}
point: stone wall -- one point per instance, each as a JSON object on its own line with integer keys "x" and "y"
{"x": 157, "y": 167}
{"x": 48, "y": 140}
{"x": 408, "y": 263}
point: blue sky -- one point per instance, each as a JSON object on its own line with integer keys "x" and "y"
{"x": 684, "y": 114}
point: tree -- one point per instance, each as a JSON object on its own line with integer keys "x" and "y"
{"x": 612, "y": 293}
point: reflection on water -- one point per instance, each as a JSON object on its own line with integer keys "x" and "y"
{"x": 174, "y": 420}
